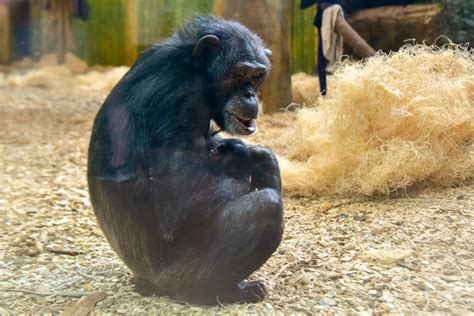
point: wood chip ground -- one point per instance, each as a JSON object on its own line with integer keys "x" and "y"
{"x": 406, "y": 254}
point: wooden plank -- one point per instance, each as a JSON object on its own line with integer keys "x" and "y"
{"x": 85, "y": 305}
{"x": 102, "y": 37}
{"x": 217, "y": 9}
{"x": 44, "y": 37}
{"x": 80, "y": 38}
{"x": 152, "y": 24}
{"x": 157, "y": 19}
{"x": 5, "y": 35}
{"x": 303, "y": 39}
{"x": 131, "y": 29}
{"x": 275, "y": 30}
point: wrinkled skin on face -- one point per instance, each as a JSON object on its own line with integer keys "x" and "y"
{"x": 234, "y": 94}
{"x": 241, "y": 109}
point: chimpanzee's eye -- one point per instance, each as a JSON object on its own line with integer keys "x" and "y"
{"x": 257, "y": 78}
{"x": 237, "y": 77}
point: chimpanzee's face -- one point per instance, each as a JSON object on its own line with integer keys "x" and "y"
{"x": 240, "y": 104}
{"x": 235, "y": 71}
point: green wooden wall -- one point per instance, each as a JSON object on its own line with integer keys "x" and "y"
{"x": 303, "y": 39}
{"x": 118, "y": 29}
{"x": 43, "y": 41}
{"x": 158, "y": 18}
{"x": 4, "y": 34}
{"x": 101, "y": 39}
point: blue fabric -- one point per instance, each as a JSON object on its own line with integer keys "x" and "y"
{"x": 307, "y": 3}
{"x": 318, "y": 21}
{"x": 81, "y": 9}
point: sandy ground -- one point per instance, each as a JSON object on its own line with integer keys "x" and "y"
{"x": 404, "y": 254}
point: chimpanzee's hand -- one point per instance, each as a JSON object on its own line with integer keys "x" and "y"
{"x": 168, "y": 226}
{"x": 228, "y": 148}
{"x": 169, "y": 237}
{"x": 217, "y": 150}
{"x": 265, "y": 169}
{"x": 232, "y": 155}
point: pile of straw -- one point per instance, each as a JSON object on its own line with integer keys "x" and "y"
{"x": 74, "y": 73}
{"x": 304, "y": 88}
{"x": 396, "y": 120}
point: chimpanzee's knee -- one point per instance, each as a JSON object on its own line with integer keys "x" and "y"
{"x": 269, "y": 224}
{"x": 272, "y": 205}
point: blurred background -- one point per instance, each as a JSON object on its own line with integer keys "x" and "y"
{"x": 113, "y": 32}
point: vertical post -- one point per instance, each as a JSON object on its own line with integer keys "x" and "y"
{"x": 218, "y": 7}
{"x": 131, "y": 31}
{"x": 271, "y": 20}
{"x": 5, "y": 34}
{"x": 61, "y": 15}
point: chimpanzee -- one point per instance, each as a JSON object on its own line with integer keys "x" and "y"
{"x": 191, "y": 214}
{"x": 233, "y": 155}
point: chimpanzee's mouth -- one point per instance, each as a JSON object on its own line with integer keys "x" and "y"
{"x": 247, "y": 125}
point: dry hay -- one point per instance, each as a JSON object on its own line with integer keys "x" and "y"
{"x": 396, "y": 120}
{"x": 102, "y": 80}
{"x": 304, "y": 88}
{"x": 48, "y": 77}
{"x": 48, "y": 74}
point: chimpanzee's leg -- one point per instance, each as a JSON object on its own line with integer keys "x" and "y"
{"x": 247, "y": 232}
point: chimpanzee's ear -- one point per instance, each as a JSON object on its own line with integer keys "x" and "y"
{"x": 207, "y": 47}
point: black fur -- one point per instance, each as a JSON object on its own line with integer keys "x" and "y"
{"x": 191, "y": 214}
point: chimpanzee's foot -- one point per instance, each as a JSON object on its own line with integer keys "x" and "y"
{"x": 244, "y": 292}
{"x": 146, "y": 288}
{"x": 253, "y": 291}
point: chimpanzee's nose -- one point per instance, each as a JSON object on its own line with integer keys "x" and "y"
{"x": 249, "y": 93}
